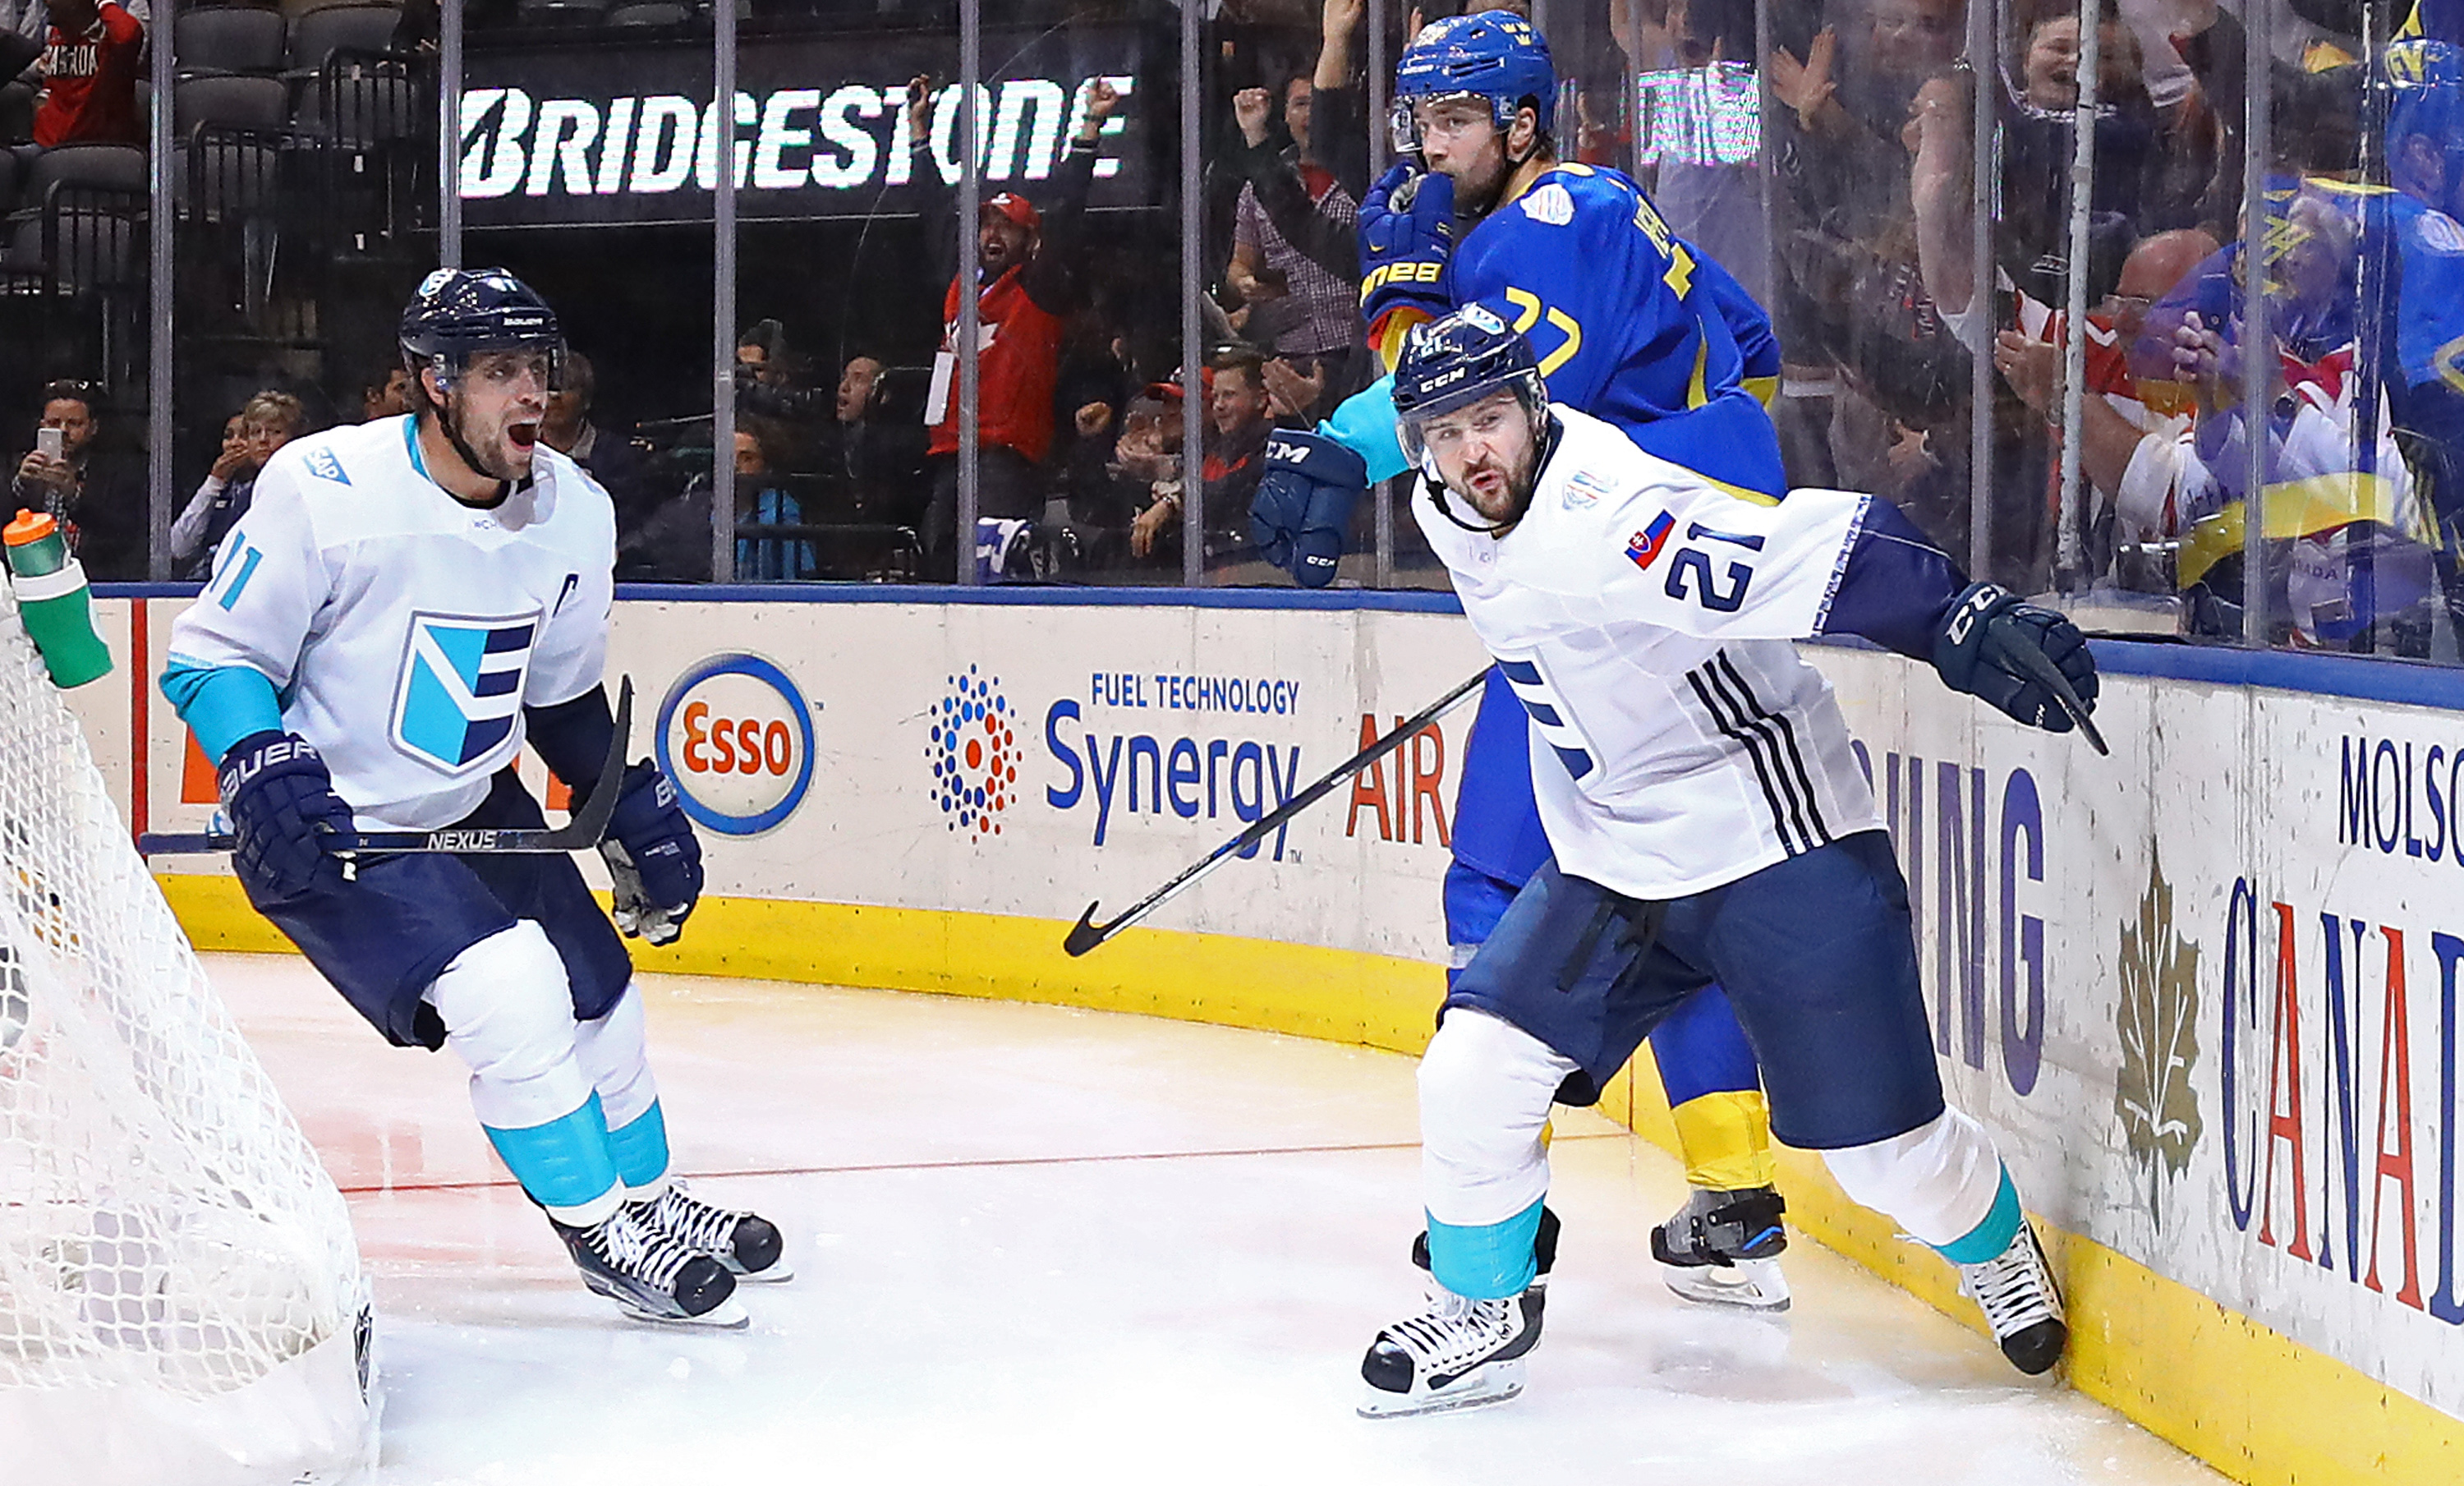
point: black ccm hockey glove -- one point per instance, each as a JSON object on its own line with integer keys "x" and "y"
{"x": 653, "y": 857}
{"x": 284, "y": 810}
{"x": 1984, "y": 649}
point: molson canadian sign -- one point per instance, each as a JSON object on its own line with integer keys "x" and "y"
{"x": 628, "y": 130}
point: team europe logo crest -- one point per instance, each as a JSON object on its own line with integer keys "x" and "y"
{"x": 461, "y": 686}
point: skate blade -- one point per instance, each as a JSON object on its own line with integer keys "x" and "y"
{"x": 1747, "y": 1285}
{"x": 779, "y": 1273}
{"x": 729, "y": 1314}
{"x": 1494, "y": 1384}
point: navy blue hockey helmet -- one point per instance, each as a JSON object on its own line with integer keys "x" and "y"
{"x": 1448, "y": 365}
{"x": 1495, "y": 55}
{"x": 456, "y": 313}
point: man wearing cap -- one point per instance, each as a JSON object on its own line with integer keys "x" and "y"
{"x": 1027, "y": 283}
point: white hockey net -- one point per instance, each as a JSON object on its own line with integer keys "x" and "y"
{"x": 166, "y": 1233}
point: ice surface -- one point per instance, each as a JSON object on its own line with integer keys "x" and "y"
{"x": 1032, "y": 1240}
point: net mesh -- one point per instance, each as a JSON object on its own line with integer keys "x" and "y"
{"x": 163, "y": 1223}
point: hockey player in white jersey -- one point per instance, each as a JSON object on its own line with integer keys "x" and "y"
{"x": 405, "y": 604}
{"x": 1708, "y": 821}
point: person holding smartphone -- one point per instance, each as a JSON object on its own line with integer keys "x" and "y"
{"x": 99, "y": 500}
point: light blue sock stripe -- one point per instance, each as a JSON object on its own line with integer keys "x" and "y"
{"x": 1988, "y": 1239}
{"x": 564, "y": 1162}
{"x": 641, "y": 1147}
{"x": 1489, "y": 1262}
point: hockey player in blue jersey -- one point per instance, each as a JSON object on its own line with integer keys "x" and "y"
{"x": 1706, "y": 819}
{"x": 404, "y": 606}
{"x": 1633, "y": 327}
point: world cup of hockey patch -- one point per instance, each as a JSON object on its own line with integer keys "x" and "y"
{"x": 1583, "y": 488}
{"x": 461, "y": 687}
{"x": 1645, "y": 546}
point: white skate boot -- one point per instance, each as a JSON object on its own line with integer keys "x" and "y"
{"x": 2017, "y": 1292}
{"x": 1461, "y": 1353}
{"x": 1724, "y": 1248}
{"x": 747, "y": 1243}
{"x": 651, "y": 1276}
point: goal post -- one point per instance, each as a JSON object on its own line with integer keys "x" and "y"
{"x": 181, "y": 1298}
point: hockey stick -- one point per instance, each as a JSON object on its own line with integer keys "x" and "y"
{"x": 580, "y": 832}
{"x": 2041, "y": 670}
{"x": 1087, "y": 933}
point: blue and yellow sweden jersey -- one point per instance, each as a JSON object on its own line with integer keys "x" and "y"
{"x": 1629, "y": 324}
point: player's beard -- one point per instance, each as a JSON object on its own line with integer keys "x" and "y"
{"x": 492, "y": 451}
{"x": 1511, "y": 490}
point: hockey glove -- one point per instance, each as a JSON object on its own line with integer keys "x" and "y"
{"x": 653, "y": 857}
{"x": 1980, "y": 647}
{"x": 285, "y": 812}
{"x": 1304, "y": 503}
{"x": 1407, "y": 233}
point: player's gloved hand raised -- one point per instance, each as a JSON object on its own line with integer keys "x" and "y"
{"x": 285, "y": 812}
{"x": 1304, "y": 503}
{"x": 653, "y": 857}
{"x": 1407, "y": 233}
{"x": 1980, "y": 650}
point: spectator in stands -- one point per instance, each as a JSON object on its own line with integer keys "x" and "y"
{"x": 96, "y": 496}
{"x": 768, "y": 386}
{"x": 385, "y": 392}
{"x": 1237, "y": 426}
{"x": 874, "y": 465}
{"x": 612, "y": 460}
{"x": 760, "y": 502}
{"x": 267, "y": 421}
{"x": 91, "y": 59}
{"x": 1028, "y": 284}
{"x": 1293, "y": 221}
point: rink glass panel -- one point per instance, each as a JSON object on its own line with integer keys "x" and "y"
{"x": 1826, "y": 151}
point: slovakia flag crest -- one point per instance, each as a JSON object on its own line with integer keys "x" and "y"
{"x": 1645, "y": 546}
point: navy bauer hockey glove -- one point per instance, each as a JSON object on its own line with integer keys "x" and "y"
{"x": 1975, "y": 653}
{"x": 653, "y": 857}
{"x": 1304, "y": 503}
{"x": 284, "y": 812}
{"x": 1407, "y": 233}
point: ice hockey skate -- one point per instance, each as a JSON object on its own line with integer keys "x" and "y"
{"x": 2017, "y": 1292}
{"x": 746, "y": 1243}
{"x": 1461, "y": 1353}
{"x": 1724, "y": 1248}
{"x": 653, "y": 1277}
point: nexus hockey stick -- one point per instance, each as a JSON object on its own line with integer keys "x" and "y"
{"x": 579, "y": 833}
{"x": 1086, "y": 934}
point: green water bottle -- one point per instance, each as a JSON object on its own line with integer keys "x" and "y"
{"x": 54, "y": 601}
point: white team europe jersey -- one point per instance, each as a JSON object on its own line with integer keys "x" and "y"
{"x": 404, "y": 631}
{"x": 1644, "y": 615}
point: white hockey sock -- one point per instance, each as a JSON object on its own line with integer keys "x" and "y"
{"x": 1486, "y": 1088}
{"x": 1938, "y": 1181}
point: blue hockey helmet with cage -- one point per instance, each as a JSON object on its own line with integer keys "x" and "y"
{"x": 1453, "y": 361}
{"x": 456, "y": 313}
{"x": 1495, "y": 55}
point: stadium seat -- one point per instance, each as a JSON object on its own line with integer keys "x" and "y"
{"x": 560, "y": 12}
{"x": 107, "y": 166}
{"x": 227, "y": 38}
{"x": 355, "y": 28}
{"x": 371, "y": 104}
{"x": 241, "y": 101}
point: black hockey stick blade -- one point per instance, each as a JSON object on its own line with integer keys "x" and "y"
{"x": 2042, "y": 671}
{"x": 1083, "y": 935}
{"x": 1086, "y": 934}
{"x": 581, "y": 831}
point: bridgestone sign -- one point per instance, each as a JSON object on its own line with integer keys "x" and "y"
{"x": 631, "y": 132}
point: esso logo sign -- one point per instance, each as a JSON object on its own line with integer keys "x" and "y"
{"x": 736, "y": 736}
